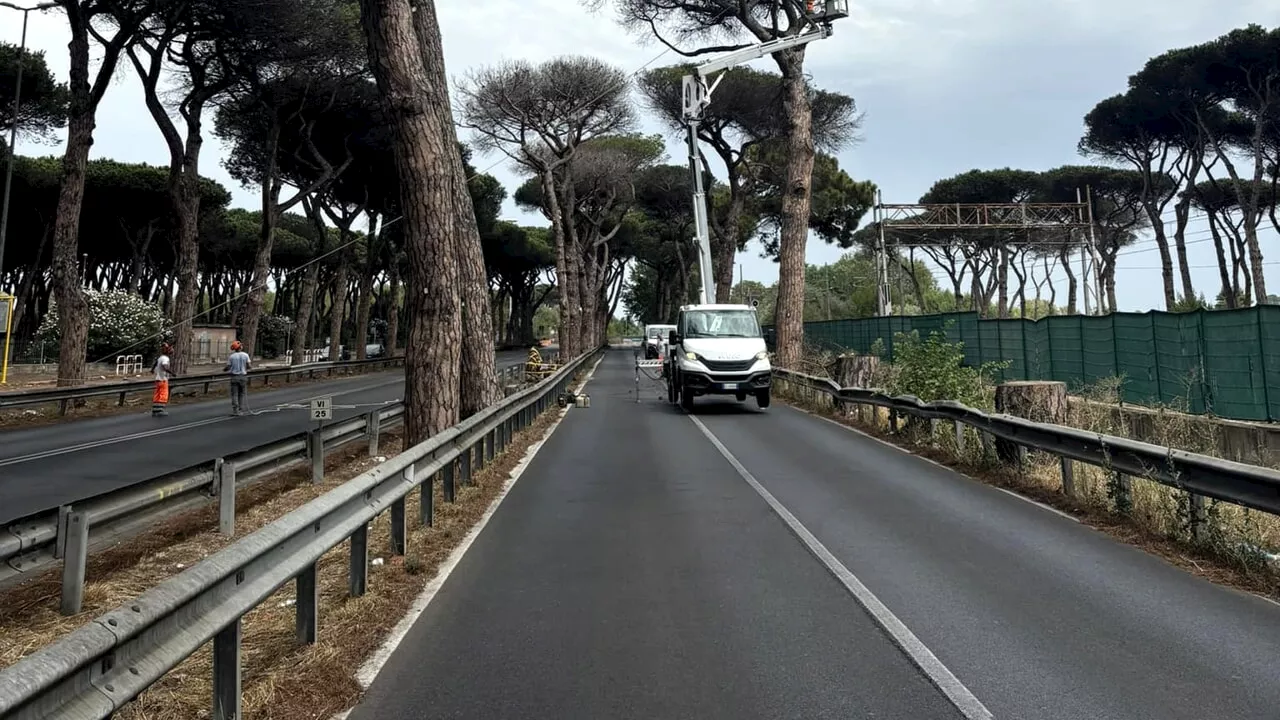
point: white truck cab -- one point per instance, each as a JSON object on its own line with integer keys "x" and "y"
{"x": 717, "y": 350}
{"x": 655, "y": 340}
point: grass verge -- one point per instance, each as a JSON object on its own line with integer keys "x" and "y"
{"x": 1229, "y": 552}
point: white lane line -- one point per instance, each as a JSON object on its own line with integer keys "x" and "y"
{"x": 922, "y": 656}
{"x": 371, "y": 667}
{"x": 165, "y": 430}
{"x": 931, "y": 461}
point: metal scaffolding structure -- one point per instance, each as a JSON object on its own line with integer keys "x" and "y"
{"x": 939, "y": 224}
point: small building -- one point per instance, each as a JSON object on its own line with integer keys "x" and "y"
{"x": 211, "y": 343}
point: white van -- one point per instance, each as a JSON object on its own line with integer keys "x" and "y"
{"x": 655, "y": 340}
{"x": 718, "y": 350}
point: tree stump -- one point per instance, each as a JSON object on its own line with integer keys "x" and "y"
{"x": 1036, "y": 400}
{"x": 856, "y": 371}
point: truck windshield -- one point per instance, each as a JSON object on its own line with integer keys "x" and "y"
{"x": 721, "y": 323}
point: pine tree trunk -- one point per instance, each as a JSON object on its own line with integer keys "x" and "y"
{"x": 364, "y": 305}
{"x": 789, "y": 316}
{"x": 251, "y": 312}
{"x": 73, "y": 307}
{"x": 186, "y": 209}
{"x": 338, "y": 312}
{"x": 478, "y": 382}
{"x": 393, "y": 314}
{"x": 433, "y": 194}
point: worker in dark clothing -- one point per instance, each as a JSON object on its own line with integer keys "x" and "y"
{"x": 238, "y": 364}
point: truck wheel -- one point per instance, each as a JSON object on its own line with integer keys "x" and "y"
{"x": 686, "y": 400}
{"x": 762, "y": 398}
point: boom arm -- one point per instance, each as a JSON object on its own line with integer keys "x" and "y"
{"x": 696, "y": 98}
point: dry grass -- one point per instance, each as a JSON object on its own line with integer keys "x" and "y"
{"x": 1155, "y": 519}
{"x": 29, "y": 616}
{"x": 108, "y": 406}
{"x": 282, "y": 679}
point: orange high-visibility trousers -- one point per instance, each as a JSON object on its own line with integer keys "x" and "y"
{"x": 160, "y": 398}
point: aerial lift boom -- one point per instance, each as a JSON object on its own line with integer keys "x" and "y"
{"x": 697, "y": 96}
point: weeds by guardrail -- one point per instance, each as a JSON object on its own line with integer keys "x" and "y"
{"x": 98, "y": 668}
{"x": 1197, "y": 476}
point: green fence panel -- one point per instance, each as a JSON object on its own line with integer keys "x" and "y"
{"x": 1135, "y": 356}
{"x": 1269, "y": 353}
{"x": 1225, "y": 362}
{"x": 1180, "y": 359}
{"x": 1233, "y": 364}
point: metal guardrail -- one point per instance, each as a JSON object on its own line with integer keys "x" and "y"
{"x": 64, "y": 396}
{"x": 96, "y": 669}
{"x": 1200, "y": 475}
{"x": 33, "y": 544}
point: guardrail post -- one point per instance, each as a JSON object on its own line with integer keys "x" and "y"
{"x": 1068, "y": 477}
{"x": 893, "y": 420}
{"x": 75, "y": 557}
{"x": 447, "y": 481}
{"x": 959, "y": 438}
{"x": 933, "y": 431}
{"x": 62, "y": 407}
{"x": 491, "y": 443}
{"x": 464, "y": 469}
{"x": 358, "y": 574}
{"x": 315, "y": 442}
{"x": 1198, "y": 516}
{"x": 60, "y": 541}
{"x": 373, "y": 424}
{"x": 306, "y": 617}
{"x": 427, "y": 502}
{"x": 225, "y": 474}
{"x": 398, "y": 521}
{"x": 226, "y": 673}
{"x": 120, "y": 402}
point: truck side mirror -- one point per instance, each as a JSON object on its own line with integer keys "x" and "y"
{"x": 673, "y": 338}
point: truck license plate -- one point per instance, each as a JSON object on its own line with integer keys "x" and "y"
{"x": 731, "y": 386}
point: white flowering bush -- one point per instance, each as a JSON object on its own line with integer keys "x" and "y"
{"x": 120, "y": 322}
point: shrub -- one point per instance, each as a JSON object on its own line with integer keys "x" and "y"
{"x": 120, "y": 323}
{"x": 934, "y": 369}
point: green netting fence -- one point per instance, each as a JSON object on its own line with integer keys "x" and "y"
{"x": 1224, "y": 362}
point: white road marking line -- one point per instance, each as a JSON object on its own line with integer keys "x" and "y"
{"x": 371, "y": 667}
{"x": 922, "y": 656}
{"x": 931, "y": 461}
{"x": 165, "y": 430}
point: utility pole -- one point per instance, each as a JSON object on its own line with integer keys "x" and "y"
{"x": 5, "y": 324}
{"x": 13, "y": 131}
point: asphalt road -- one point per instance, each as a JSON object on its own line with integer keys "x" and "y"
{"x": 637, "y": 570}
{"x": 44, "y": 467}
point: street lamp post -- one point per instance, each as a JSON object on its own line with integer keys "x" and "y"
{"x": 8, "y": 173}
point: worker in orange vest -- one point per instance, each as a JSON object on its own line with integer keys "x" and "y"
{"x": 163, "y": 371}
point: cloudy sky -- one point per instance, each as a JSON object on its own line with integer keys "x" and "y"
{"x": 946, "y": 85}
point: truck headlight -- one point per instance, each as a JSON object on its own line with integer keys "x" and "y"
{"x": 691, "y": 356}
{"x": 762, "y": 355}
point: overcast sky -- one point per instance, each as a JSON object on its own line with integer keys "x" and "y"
{"x": 946, "y": 85}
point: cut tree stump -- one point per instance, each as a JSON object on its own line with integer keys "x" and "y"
{"x": 1036, "y": 400}
{"x": 856, "y": 371}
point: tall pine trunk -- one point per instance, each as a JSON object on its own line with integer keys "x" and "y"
{"x": 85, "y": 94}
{"x": 433, "y": 194}
{"x": 789, "y": 316}
{"x": 255, "y": 301}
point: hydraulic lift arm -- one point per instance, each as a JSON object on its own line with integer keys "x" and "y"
{"x": 697, "y": 96}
